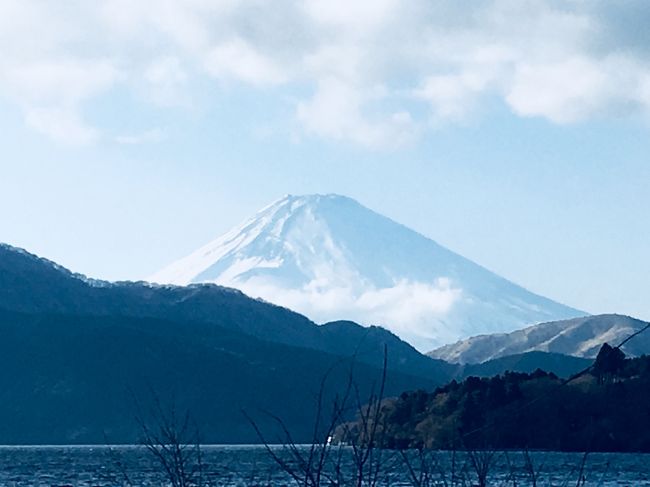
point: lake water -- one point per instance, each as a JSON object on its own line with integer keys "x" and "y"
{"x": 251, "y": 465}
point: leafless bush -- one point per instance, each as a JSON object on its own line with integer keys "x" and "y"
{"x": 325, "y": 461}
{"x": 358, "y": 458}
{"x": 173, "y": 440}
{"x": 430, "y": 468}
{"x": 482, "y": 462}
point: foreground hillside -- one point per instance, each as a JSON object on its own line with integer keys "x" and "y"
{"x": 30, "y": 284}
{"x": 80, "y": 379}
{"x": 606, "y": 409}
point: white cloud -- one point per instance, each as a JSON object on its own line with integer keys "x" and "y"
{"x": 564, "y": 62}
{"x": 51, "y": 93}
{"x": 148, "y": 136}
{"x": 575, "y": 89}
{"x": 452, "y": 97}
{"x": 336, "y": 111}
{"x": 236, "y": 59}
{"x": 164, "y": 82}
{"x": 65, "y": 81}
{"x": 415, "y": 311}
{"x": 356, "y": 18}
{"x": 61, "y": 124}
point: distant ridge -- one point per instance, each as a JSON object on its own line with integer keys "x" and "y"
{"x": 331, "y": 258}
{"x": 579, "y": 337}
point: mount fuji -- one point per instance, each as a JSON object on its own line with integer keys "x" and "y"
{"x": 331, "y": 258}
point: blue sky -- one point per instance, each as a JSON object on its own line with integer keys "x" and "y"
{"x": 514, "y": 133}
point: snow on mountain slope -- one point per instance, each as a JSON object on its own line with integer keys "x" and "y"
{"x": 579, "y": 337}
{"x": 331, "y": 258}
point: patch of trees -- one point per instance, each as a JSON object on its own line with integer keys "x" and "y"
{"x": 606, "y": 408}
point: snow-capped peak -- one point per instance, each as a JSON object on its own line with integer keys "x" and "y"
{"x": 330, "y": 258}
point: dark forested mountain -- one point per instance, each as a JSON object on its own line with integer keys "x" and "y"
{"x": 77, "y": 355}
{"x": 580, "y": 337}
{"x": 81, "y": 379}
{"x": 34, "y": 285}
{"x": 607, "y": 409}
{"x": 31, "y": 284}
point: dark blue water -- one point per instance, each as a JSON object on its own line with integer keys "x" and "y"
{"x": 251, "y": 465}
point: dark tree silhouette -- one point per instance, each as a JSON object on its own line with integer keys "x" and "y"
{"x": 609, "y": 363}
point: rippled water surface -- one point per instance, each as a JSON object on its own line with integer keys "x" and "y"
{"x": 251, "y": 465}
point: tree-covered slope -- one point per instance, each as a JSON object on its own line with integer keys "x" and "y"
{"x": 31, "y": 284}
{"x": 81, "y": 379}
{"x": 607, "y": 409}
